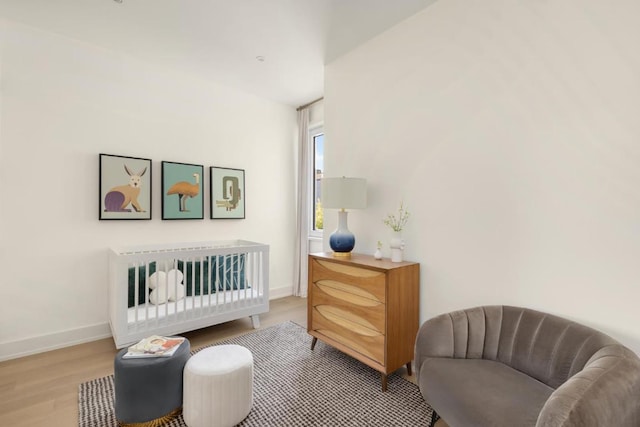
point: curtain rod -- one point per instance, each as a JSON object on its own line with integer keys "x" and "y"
{"x": 309, "y": 104}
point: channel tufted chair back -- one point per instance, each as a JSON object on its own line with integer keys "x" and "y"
{"x": 543, "y": 346}
{"x": 593, "y": 376}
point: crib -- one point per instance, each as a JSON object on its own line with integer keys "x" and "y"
{"x": 221, "y": 281}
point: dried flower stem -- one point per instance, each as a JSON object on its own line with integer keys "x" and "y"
{"x": 397, "y": 224}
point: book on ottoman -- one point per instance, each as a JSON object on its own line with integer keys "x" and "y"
{"x": 154, "y": 346}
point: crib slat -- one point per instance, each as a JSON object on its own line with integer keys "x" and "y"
{"x": 211, "y": 280}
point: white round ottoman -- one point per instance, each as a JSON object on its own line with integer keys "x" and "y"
{"x": 218, "y": 386}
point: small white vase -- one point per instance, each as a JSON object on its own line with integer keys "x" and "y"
{"x": 378, "y": 254}
{"x": 397, "y": 246}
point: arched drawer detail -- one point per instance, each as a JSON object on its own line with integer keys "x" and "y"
{"x": 360, "y": 281}
{"x": 349, "y": 293}
{"x": 349, "y": 320}
{"x": 349, "y": 270}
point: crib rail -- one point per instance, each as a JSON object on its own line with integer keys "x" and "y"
{"x": 221, "y": 281}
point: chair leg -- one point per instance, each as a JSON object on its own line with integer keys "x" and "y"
{"x": 434, "y": 418}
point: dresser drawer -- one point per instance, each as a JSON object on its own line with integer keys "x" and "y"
{"x": 368, "y": 342}
{"x": 337, "y": 301}
{"x": 365, "y": 282}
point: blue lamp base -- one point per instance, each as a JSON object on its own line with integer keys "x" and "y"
{"x": 342, "y": 241}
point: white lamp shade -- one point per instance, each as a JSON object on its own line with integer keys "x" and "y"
{"x": 344, "y": 193}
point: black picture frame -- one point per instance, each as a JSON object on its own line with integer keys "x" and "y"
{"x": 182, "y": 191}
{"x": 124, "y": 188}
{"x": 227, "y": 196}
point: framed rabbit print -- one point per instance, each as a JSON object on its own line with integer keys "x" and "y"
{"x": 125, "y": 187}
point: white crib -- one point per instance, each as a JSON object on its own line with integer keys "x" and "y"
{"x": 223, "y": 281}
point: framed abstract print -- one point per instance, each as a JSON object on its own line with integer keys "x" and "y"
{"x": 227, "y": 193}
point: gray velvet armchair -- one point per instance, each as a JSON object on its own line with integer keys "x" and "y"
{"x": 512, "y": 366}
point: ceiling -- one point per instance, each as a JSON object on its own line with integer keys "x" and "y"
{"x": 221, "y": 40}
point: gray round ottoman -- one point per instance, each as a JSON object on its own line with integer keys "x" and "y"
{"x": 149, "y": 389}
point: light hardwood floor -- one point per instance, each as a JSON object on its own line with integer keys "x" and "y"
{"x": 42, "y": 390}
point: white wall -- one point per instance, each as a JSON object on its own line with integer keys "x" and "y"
{"x": 316, "y": 114}
{"x": 510, "y": 129}
{"x": 64, "y": 102}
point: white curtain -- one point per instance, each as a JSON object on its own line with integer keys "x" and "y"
{"x": 301, "y": 266}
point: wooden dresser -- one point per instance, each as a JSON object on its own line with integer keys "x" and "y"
{"x": 366, "y": 308}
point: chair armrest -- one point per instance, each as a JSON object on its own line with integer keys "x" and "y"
{"x": 604, "y": 393}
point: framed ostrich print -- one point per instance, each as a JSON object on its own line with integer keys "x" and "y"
{"x": 182, "y": 191}
{"x": 125, "y": 187}
{"x": 227, "y": 193}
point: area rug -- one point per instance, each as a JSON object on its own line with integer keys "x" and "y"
{"x": 294, "y": 386}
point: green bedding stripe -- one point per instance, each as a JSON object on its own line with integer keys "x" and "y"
{"x": 227, "y": 273}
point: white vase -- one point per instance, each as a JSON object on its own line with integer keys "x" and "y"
{"x": 378, "y": 254}
{"x": 397, "y": 246}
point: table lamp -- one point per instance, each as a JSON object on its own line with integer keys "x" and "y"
{"x": 343, "y": 193}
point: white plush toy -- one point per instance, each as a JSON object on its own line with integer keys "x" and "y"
{"x": 165, "y": 288}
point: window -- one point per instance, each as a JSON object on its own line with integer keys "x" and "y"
{"x": 316, "y": 139}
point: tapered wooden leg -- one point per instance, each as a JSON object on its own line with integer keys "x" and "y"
{"x": 383, "y": 379}
{"x": 409, "y": 368}
{"x": 313, "y": 343}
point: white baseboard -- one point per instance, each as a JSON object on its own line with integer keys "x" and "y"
{"x": 42, "y": 343}
{"x": 280, "y": 292}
